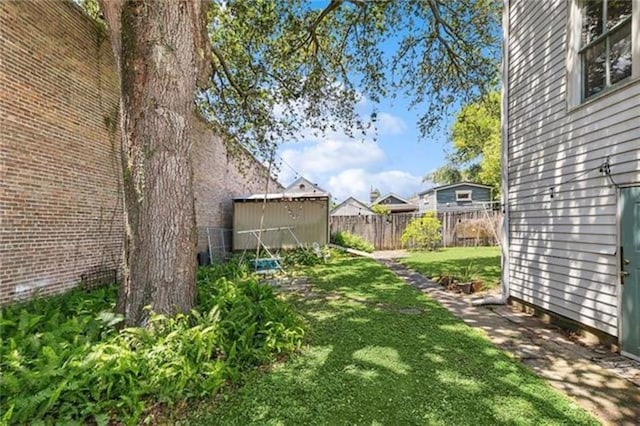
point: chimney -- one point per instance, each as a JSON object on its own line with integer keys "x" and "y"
{"x": 375, "y": 194}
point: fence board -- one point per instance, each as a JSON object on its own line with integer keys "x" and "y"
{"x": 465, "y": 228}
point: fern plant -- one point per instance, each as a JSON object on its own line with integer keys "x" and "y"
{"x": 64, "y": 359}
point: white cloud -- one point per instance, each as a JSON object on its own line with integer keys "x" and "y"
{"x": 329, "y": 156}
{"x": 358, "y": 182}
{"x": 346, "y": 166}
{"x": 390, "y": 124}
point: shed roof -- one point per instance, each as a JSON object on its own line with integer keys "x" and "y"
{"x": 282, "y": 196}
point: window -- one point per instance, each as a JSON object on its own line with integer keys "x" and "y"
{"x": 605, "y": 45}
{"x": 463, "y": 195}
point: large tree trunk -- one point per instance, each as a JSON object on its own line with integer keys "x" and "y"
{"x": 158, "y": 47}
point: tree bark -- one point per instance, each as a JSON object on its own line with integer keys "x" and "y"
{"x": 158, "y": 46}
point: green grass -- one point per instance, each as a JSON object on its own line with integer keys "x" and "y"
{"x": 452, "y": 261}
{"x": 368, "y": 362}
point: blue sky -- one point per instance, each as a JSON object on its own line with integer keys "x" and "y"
{"x": 395, "y": 162}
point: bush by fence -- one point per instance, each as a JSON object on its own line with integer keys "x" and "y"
{"x": 468, "y": 228}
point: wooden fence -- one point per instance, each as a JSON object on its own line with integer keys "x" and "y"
{"x": 469, "y": 228}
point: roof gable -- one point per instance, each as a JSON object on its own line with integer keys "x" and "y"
{"x": 353, "y": 202}
{"x": 390, "y": 198}
{"x": 303, "y": 185}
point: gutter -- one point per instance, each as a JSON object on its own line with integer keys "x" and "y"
{"x": 504, "y": 197}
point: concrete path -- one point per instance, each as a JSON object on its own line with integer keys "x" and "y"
{"x": 603, "y": 383}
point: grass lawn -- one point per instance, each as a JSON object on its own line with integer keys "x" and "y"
{"x": 451, "y": 261}
{"x": 380, "y": 352}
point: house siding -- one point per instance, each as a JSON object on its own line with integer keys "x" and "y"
{"x": 427, "y": 203}
{"x": 351, "y": 208}
{"x": 563, "y": 250}
{"x": 479, "y": 196}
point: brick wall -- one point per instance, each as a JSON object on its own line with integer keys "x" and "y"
{"x": 60, "y": 199}
{"x": 221, "y": 174}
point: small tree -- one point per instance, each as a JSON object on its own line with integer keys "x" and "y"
{"x": 381, "y": 209}
{"x": 423, "y": 233}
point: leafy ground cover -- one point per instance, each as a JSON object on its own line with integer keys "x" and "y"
{"x": 380, "y": 352}
{"x": 456, "y": 261}
{"x": 64, "y": 360}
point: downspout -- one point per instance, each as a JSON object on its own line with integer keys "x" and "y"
{"x": 504, "y": 196}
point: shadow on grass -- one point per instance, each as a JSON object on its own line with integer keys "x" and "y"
{"x": 370, "y": 359}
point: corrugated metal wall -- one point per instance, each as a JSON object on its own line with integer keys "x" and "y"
{"x": 308, "y": 218}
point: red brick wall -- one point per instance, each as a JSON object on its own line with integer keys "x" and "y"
{"x": 60, "y": 209}
{"x": 60, "y": 203}
{"x": 221, "y": 174}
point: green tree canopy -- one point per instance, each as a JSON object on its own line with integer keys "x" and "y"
{"x": 282, "y": 66}
{"x": 444, "y": 175}
{"x": 475, "y": 137}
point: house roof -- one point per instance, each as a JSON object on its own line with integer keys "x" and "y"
{"x": 402, "y": 206}
{"x": 300, "y": 188}
{"x": 354, "y": 201}
{"x": 453, "y": 185}
{"x": 303, "y": 185}
{"x": 389, "y": 195}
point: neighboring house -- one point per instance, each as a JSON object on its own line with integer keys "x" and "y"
{"x": 571, "y": 163}
{"x": 395, "y": 204}
{"x": 351, "y": 207}
{"x": 304, "y": 186}
{"x": 299, "y": 214}
{"x": 455, "y": 197}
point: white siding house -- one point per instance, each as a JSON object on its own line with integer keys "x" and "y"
{"x": 571, "y": 113}
{"x": 351, "y": 207}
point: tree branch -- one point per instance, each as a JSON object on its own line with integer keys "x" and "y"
{"x": 227, "y": 72}
{"x": 311, "y": 36}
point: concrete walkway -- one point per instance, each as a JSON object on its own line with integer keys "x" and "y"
{"x": 603, "y": 383}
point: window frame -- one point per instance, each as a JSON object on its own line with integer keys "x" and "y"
{"x": 464, "y": 192}
{"x": 574, "y": 59}
{"x": 603, "y": 38}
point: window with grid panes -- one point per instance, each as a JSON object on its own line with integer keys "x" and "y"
{"x": 606, "y": 53}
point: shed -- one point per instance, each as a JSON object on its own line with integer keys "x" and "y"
{"x": 299, "y": 215}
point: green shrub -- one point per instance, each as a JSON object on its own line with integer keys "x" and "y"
{"x": 63, "y": 359}
{"x": 347, "y": 239}
{"x": 381, "y": 209}
{"x": 305, "y": 256}
{"x": 422, "y": 233}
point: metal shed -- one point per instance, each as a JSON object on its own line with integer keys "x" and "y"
{"x": 298, "y": 215}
